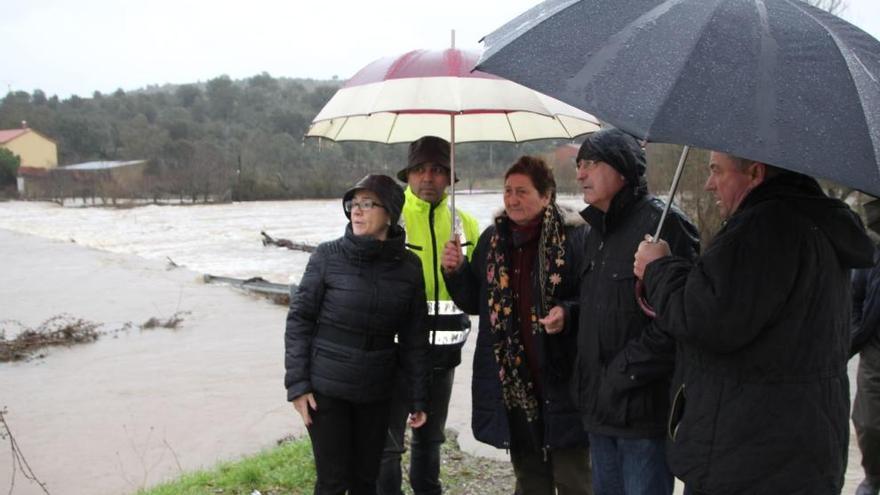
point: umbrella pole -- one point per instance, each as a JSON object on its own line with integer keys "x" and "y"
{"x": 672, "y": 189}
{"x": 640, "y": 286}
{"x": 453, "y": 231}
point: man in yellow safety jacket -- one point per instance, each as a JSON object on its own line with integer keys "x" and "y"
{"x": 427, "y": 219}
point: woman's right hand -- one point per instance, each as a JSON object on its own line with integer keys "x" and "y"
{"x": 302, "y": 405}
{"x": 452, "y": 257}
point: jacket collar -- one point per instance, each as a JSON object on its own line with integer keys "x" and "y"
{"x": 416, "y": 203}
{"x": 619, "y": 209}
{"x": 367, "y": 248}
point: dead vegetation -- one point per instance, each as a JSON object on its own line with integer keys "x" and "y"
{"x": 64, "y": 330}
{"x": 60, "y": 330}
{"x": 171, "y": 322}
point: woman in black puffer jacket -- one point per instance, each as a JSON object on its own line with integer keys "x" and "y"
{"x": 358, "y": 292}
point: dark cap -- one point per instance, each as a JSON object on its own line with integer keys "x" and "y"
{"x": 389, "y": 193}
{"x": 618, "y": 149}
{"x": 426, "y": 149}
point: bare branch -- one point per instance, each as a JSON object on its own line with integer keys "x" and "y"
{"x": 19, "y": 463}
{"x": 834, "y": 6}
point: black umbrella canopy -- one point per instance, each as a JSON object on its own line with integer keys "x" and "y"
{"x": 776, "y": 81}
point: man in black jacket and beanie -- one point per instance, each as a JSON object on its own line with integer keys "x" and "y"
{"x": 761, "y": 394}
{"x": 624, "y": 362}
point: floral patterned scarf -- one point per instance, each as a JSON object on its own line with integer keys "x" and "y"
{"x": 516, "y": 383}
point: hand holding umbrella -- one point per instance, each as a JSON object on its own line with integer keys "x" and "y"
{"x": 649, "y": 250}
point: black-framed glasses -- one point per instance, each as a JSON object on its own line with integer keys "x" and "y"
{"x": 364, "y": 205}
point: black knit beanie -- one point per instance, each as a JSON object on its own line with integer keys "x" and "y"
{"x": 618, "y": 149}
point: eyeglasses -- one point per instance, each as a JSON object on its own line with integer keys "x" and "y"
{"x": 586, "y": 164}
{"x": 364, "y": 205}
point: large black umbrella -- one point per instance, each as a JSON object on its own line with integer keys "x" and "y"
{"x": 777, "y": 81}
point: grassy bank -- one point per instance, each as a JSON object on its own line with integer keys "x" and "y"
{"x": 289, "y": 469}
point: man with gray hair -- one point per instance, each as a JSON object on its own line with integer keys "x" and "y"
{"x": 624, "y": 361}
{"x": 761, "y": 320}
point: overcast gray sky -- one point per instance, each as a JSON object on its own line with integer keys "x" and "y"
{"x": 69, "y": 47}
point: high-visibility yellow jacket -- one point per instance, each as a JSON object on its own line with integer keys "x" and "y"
{"x": 428, "y": 228}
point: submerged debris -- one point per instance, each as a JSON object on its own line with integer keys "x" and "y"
{"x": 171, "y": 322}
{"x": 62, "y": 329}
{"x": 287, "y": 243}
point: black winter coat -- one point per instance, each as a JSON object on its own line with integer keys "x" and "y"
{"x": 470, "y": 292}
{"x": 762, "y": 318}
{"x": 625, "y": 362}
{"x": 356, "y": 294}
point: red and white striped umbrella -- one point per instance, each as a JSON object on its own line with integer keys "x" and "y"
{"x": 437, "y": 93}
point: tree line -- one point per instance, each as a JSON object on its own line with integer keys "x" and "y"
{"x": 227, "y": 139}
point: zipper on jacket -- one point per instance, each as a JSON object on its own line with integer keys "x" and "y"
{"x": 676, "y": 412}
{"x": 436, "y": 281}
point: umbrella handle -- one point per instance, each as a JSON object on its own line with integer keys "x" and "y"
{"x": 643, "y": 303}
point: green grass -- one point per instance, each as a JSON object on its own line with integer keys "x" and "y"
{"x": 288, "y": 468}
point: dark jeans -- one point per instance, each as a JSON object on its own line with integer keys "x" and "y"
{"x": 424, "y": 468}
{"x": 347, "y": 443}
{"x": 561, "y": 472}
{"x": 629, "y": 466}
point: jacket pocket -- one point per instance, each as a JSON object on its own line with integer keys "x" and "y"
{"x": 352, "y": 374}
{"x": 611, "y": 404}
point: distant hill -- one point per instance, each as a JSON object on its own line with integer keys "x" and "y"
{"x": 239, "y": 139}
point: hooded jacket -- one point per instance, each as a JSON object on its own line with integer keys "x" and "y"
{"x": 428, "y": 228}
{"x": 624, "y": 363}
{"x": 356, "y": 295}
{"x": 762, "y": 320}
{"x": 469, "y": 288}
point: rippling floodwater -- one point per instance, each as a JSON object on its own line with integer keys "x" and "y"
{"x": 219, "y": 239}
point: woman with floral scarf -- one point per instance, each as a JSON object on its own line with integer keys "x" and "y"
{"x": 523, "y": 268}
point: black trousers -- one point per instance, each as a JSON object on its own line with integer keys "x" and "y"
{"x": 424, "y": 468}
{"x": 866, "y": 410}
{"x": 347, "y": 441}
{"x": 558, "y": 472}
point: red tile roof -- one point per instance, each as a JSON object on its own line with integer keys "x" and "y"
{"x": 32, "y": 172}
{"x": 7, "y": 135}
